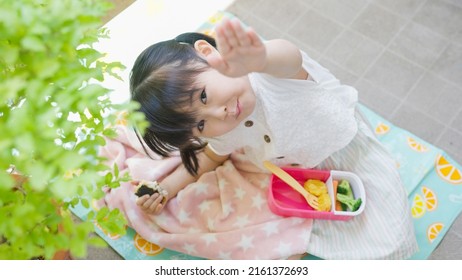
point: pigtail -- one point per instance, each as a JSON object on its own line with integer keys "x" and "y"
{"x": 189, "y": 157}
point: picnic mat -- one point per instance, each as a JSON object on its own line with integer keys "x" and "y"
{"x": 433, "y": 181}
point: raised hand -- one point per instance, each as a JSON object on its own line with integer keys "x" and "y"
{"x": 240, "y": 51}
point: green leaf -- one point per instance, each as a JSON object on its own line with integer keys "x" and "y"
{"x": 97, "y": 241}
{"x": 33, "y": 43}
{"x": 85, "y": 203}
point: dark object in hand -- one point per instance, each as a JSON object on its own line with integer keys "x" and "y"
{"x": 143, "y": 190}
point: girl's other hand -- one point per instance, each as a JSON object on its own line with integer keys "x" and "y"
{"x": 240, "y": 51}
{"x": 151, "y": 204}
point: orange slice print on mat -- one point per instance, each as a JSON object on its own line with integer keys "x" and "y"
{"x": 433, "y": 231}
{"x": 146, "y": 247}
{"x": 447, "y": 171}
{"x": 418, "y": 206}
{"x": 416, "y": 146}
{"x": 381, "y": 129}
{"x": 430, "y": 198}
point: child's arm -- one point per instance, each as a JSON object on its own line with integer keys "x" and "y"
{"x": 179, "y": 179}
{"x": 241, "y": 52}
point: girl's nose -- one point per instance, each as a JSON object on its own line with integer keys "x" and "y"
{"x": 220, "y": 112}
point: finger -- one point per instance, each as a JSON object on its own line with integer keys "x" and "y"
{"x": 254, "y": 38}
{"x": 153, "y": 207}
{"x": 148, "y": 203}
{"x": 141, "y": 200}
{"x": 222, "y": 43}
{"x": 159, "y": 209}
{"x": 228, "y": 31}
{"x": 241, "y": 35}
{"x": 135, "y": 182}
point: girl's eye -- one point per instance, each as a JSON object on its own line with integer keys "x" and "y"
{"x": 200, "y": 125}
{"x": 203, "y": 97}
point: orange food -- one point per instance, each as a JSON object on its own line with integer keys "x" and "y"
{"x": 338, "y": 205}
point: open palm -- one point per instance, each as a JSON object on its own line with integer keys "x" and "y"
{"x": 239, "y": 51}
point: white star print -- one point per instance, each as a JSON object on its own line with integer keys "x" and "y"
{"x": 246, "y": 242}
{"x": 132, "y": 215}
{"x": 204, "y": 206}
{"x": 154, "y": 238}
{"x": 297, "y": 221}
{"x": 183, "y": 216}
{"x": 222, "y": 183}
{"x": 201, "y": 188}
{"x": 258, "y": 201}
{"x": 161, "y": 219}
{"x": 193, "y": 230}
{"x": 239, "y": 193}
{"x": 242, "y": 221}
{"x": 189, "y": 248}
{"x": 224, "y": 255}
{"x": 209, "y": 238}
{"x": 264, "y": 183}
{"x": 271, "y": 228}
{"x": 305, "y": 236}
{"x": 284, "y": 249}
{"x": 227, "y": 209}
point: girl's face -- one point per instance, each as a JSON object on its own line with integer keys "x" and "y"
{"x": 221, "y": 103}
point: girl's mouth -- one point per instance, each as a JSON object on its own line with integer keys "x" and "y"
{"x": 238, "y": 108}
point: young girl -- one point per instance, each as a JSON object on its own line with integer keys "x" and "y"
{"x": 276, "y": 103}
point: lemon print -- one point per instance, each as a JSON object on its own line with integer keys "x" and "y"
{"x": 433, "y": 231}
{"x": 447, "y": 171}
{"x": 430, "y": 199}
{"x": 209, "y": 32}
{"x": 416, "y": 146}
{"x": 418, "y": 206}
{"x": 381, "y": 129}
{"x": 145, "y": 247}
{"x": 216, "y": 18}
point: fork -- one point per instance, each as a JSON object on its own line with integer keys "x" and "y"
{"x": 311, "y": 199}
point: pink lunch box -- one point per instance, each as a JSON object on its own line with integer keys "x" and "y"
{"x": 285, "y": 201}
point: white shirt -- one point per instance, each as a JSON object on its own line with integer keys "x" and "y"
{"x": 294, "y": 121}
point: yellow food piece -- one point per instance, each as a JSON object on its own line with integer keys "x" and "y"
{"x": 315, "y": 187}
{"x": 324, "y": 202}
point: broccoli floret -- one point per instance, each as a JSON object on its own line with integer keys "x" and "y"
{"x": 345, "y": 188}
{"x": 351, "y": 203}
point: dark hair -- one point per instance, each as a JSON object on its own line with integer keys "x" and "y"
{"x": 162, "y": 80}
